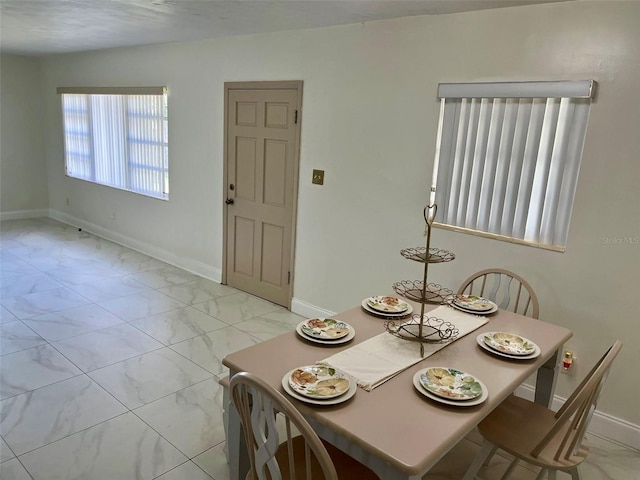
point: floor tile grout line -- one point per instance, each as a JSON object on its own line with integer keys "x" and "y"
{"x": 74, "y": 433}
{"x": 25, "y": 468}
{"x": 9, "y": 447}
{"x": 47, "y": 385}
{"x": 165, "y": 438}
{"x": 83, "y": 333}
{"x": 209, "y": 377}
{"x": 175, "y": 343}
{"x": 52, "y": 343}
{"x": 114, "y": 363}
{"x": 127, "y": 410}
{"x": 182, "y": 464}
{"x": 128, "y": 321}
{"x": 187, "y": 358}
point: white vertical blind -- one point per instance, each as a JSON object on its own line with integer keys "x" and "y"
{"x": 488, "y": 175}
{"x": 77, "y": 137}
{"x": 508, "y": 165}
{"x": 117, "y": 138}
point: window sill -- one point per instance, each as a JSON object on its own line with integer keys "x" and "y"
{"x": 502, "y": 238}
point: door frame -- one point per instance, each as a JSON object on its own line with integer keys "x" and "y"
{"x": 263, "y": 85}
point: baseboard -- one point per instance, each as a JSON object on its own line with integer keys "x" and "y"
{"x": 21, "y": 214}
{"x": 307, "y": 310}
{"x": 190, "y": 265}
{"x": 602, "y": 424}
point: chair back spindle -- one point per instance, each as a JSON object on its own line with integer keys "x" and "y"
{"x": 258, "y": 406}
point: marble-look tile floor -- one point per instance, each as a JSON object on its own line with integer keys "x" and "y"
{"x": 110, "y": 362}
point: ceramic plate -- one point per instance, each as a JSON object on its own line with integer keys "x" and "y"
{"x": 325, "y": 328}
{"x": 366, "y": 306}
{"x": 480, "y": 340}
{"x": 451, "y": 383}
{"x": 318, "y": 401}
{"x": 475, "y": 312}
{"x": 350, "y": 336}
{"x": 319, "y": 381}
{"x": 386, "y": 304}
{"x": 456, "y": 403}
{"x": 473, "y": 303}
{"x": 509, "y": 343}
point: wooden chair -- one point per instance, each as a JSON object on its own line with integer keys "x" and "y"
{"x": 302, "y": 456}
{"x": 509, "y": 290}
{"x": 539, "y": 436}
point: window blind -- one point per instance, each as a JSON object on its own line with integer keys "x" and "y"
{"x": 508, "y": 157}
{"x": 117, "y": 137}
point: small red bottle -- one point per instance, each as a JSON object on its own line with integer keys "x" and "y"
{"x": 567, "y": 360}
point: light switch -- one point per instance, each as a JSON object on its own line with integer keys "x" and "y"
{"x": 318, "y": 177}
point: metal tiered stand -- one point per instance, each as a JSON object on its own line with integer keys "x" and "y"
{"x": 424, "y": 329}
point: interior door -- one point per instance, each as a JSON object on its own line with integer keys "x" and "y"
{"x": 262, "y": 144}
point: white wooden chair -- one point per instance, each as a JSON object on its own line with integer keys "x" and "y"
{"x": 532, "y": 433}
{"x": 298, "y": 457}
{"x": 507, "y": 289}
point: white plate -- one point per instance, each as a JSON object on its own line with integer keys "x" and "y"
{"x": 480, "y": 340}
{"x": 380, "y": 303}
{"x": 321, "y": 382}
{"x": 475, "y": 312}
{"x": 325, "y": 328}
{"x": 455, "y": 403}
{"x": 509, "y": 343}
{"x": 473, "y": 303}
{"x": 330, "y": 401}
{"x": 386, "y": 315}
{"x": 451, "y": 384}
{"x": 339, "y": 341}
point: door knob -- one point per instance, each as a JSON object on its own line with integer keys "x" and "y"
{"x": 229, "y": 201}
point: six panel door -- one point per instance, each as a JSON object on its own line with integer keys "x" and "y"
{"x": 261, "y": 151}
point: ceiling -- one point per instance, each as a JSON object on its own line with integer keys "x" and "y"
{"x": 46, "y": 27}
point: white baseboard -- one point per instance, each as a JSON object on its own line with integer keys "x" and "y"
{"x": 21, "y": 214}
{"x": 190, "y": 265}
{"x": 602, "y": 424}
{"x": 308, "y": 310}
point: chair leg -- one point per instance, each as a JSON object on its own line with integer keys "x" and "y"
{"x": 485, "y": 452}
{"x": 226, "y": 402}
{"x": 510, "y": 469}
{"x": 490, "y": 456}
{"x": 541, "y": 474}
{"x": 575, "y": 473}
{"x": 552, "y": 474}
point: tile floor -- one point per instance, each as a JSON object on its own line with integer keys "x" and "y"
{"x": 110, "y": 362}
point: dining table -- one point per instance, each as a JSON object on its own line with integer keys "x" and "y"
{"x": 394, "y": 429}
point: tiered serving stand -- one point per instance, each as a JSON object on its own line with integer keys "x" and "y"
{"x": 429, "y": 329}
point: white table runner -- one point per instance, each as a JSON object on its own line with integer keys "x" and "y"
{"x": 382, "y": 357}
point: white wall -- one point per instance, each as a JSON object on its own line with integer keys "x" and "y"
{"x": 23, "y": 170}
{"x": 369, "y": 120}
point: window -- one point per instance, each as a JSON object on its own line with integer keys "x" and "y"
{"x": 118, "y": 137}
{"x": 507, "y": 158}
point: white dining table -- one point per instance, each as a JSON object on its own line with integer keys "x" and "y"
{"x": 395, "y": 430}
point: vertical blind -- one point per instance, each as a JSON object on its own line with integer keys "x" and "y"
{"x": 118, "y": 137}
{"x": 509, "y": 156}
